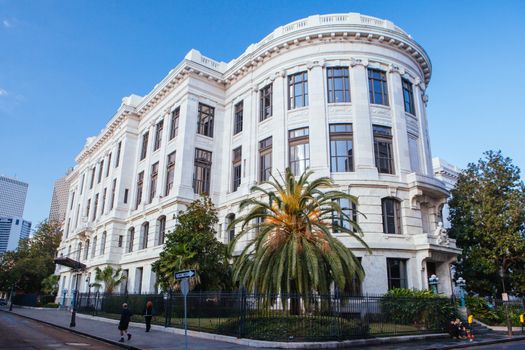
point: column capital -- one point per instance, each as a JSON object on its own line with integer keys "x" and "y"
{"x": 317, "y": 63}
{"x": 394, "y": 68}
{"x": 354, "y": 61}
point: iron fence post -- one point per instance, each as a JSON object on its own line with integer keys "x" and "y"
{"x": 242, "y": 310}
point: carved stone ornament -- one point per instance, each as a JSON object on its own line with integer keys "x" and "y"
{"x": 394, "y": 68}
{"x": 425, "y": 98}
{"x": 441, "y": 236}
{"x": 358, "y": 61}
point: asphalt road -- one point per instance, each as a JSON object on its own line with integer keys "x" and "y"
{"x": 19, "y": 333}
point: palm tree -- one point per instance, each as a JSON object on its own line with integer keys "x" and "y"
{"x": 110, "y": 277}
{"x": 181, "y": 258}
{"x": 294, "y": 250}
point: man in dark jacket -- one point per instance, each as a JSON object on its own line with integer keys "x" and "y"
{"x": 125, "y": 317}
{"x": 148, "y": 314}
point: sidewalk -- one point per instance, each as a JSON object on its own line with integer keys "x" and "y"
{"x": 162, "y": 338}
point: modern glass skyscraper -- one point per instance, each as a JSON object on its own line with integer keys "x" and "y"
{"x": 12, "y": 230}
{"x": 12, "y": 197}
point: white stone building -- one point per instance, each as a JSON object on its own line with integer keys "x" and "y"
{"x": 343, "y": 95}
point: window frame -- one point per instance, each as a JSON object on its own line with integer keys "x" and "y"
{"x": 331, "y": 88}
{"x": 393, "y": 219}
{"x": 266, "y": 102}
{"x": 159, "y": 128}
{"x": 205, "y": 120}
{"x": 174, "y": 126}
{"x": 265, "y": 152}
{"x": 403, "y": 281}
{"x": 170, "y": 172}
{"x": 378, "y": 75}
{"x": 140, "y": 188}
{"x": 295, "y": 81}
{"x": 346, "y": 135}
{"x": 236, "y": 168}
{"x": 153, "y": 181}
{"x": 203, "y": 162}
{"x": 300, "y": 140}
{"x": 408, "y": 92}
{"x": 144, "y": 147}
{"x": 383, "y": 138}
{"x": 238, "y": 117}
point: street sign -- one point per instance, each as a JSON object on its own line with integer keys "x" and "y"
{"x": 184, "y": 286}
{"x": 184, "y": 274}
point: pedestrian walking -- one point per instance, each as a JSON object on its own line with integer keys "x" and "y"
{"x": 148, "y": 314}
{"x": 125, "y": 317}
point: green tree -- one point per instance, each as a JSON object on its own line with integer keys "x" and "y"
{"x": 192, "y": 244}
{"x": 487, "y": 214}
{"x": 33, "y": 260}
{"x": 50, "y": 285}
{"x": 109, "y": 277}
{"x": 294, "y": 250}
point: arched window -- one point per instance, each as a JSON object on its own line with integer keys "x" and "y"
{"x": 144, "y": 235}
{"x": 103, "y": 243}
{"x": 161, "y": 225}
{"x": 131, "y": 238}
{"x": 391, "y": 209}
{"x": 231, "y": 232}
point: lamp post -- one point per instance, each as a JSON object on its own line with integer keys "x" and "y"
{"x": 89, "y": 290}
{"x": 73, "y": 323}
{"x": 433, "y": 281}
{"x": 461, "y": 283}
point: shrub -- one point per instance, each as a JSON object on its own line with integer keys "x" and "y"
{"x": 51, "y": 305}
{"x": 420, "y": 308}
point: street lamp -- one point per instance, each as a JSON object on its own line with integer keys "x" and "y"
{"x": 75, "y": 297}
{"x": 461, "y": 283}
{"x": 89, "y": 290}
{"x": 433, "y": 281}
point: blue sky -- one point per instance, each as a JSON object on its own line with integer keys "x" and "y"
{"x": 65, "y": 65}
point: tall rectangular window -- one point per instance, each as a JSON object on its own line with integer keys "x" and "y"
{"x": 158, "y": 135}
{"x": 87, "y": 208}
{"x": 377, "y": 87}
{"x": 396, "y": 273}
{"x": 202, "y": 171}
{"x": 126, "y": 191}
{"x": 299, "y": 150}
{"x": 237, "y": 127}
{"x": 103, "y": 243}
{"x": 265, "y": 159}
{"x": 72, "y": 201}
{"x": 92, "y": 181}
{"x": 174, "y": 126}
{"x": 144, "y": 149}
{"x": 143, "y": 243}
{"x": 131, "y": 239}
{"x": 383, "y": 149}
{"x": 109, "y": 165}
{"x": 100, "y": 171}
{"x": 408, "y": 96}
{"x": 117, "y": 160}
{"x": 170, "y": 173}
{"x": 95, "y": 206}
{"x": 298, "y": 90}
{"x": 236, "y": 168}
{"x": 413, "y": 149}
{"x": 77, "y": 215}
{"x": 162, "y": 229}
{"x": 82, "y": 183}
{"x": 140, "y": 184}
{"x": 94, "y": 249}
{"x": 113, "y": 189}
{"x": 391, "y": 212}
{"x": 338, "y": 84}
{"x": 205, "y": 120}
{"x": 153, "y": 181}
{"x": 102, "y": 206}
{"x": 341, "y": 148}
{"x": 265, "y": 101}
{"x": 349, "y": 211}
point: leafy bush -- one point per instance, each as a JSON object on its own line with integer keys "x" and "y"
{"x": 420, "y": 308}
{"x": 51, "y": 305}
{"x": 285, "y": 328}
{"x": 494, "y": 315}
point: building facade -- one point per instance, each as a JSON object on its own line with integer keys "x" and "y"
{"x": 12, "y": 230}
{"x": 57, "y": 211}
{"x": 12, "y": 197}
{"x": 342, "y": 95}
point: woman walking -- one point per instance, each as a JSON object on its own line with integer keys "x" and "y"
{"x": 125, "y": 317}
{"x": 148, "y": 315}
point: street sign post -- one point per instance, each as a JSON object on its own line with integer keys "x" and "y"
{"x": 183, "y": 276}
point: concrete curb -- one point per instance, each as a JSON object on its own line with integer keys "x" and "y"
{"x": 72, "y": 330}
{"x": 473, "y": 344}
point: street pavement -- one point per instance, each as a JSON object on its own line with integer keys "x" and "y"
{"x": 159, "y": 339}
{"x": 19, "y": 333}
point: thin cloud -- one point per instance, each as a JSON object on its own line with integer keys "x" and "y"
{"x": 3, "y": 92}
{"x": 7, "y": 23}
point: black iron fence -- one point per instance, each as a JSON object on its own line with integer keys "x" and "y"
{"x": 281, "y": 317}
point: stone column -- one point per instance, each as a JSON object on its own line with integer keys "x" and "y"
{"x": 363, "y": 137}
{"x": 280, "y": 125}
{"x": 185, "y": 156}
{"x": 402, "y": 155}
{"x": 318, "y": 120}
{"x": 420, "y": 104}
